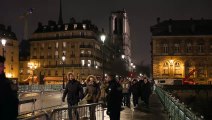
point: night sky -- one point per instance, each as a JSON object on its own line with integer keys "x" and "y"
{"x": 141, "y": 13}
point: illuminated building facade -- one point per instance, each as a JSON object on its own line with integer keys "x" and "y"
{"x": 78, "y": 42}
{"x": 180, "y": 46}
{"x": 10, "y": 51}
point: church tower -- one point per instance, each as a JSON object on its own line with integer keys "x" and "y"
{"x": 119, "y": 31}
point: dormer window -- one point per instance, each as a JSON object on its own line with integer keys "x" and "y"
{"x": 75, "y": 26}
{"x": 84, "y": 26}
{"x": 66, "y": 27}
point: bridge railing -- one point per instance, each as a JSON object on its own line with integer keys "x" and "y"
{"x": 26, "y": 88}
{"x": 175, "y": 109}
{"x": 93, "y": 111}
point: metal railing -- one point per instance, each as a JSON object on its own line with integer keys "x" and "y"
{"x": 93, "y": 111}
{"x": 29, "y": 101}
{"x": 175, "y": 109}
{"x": 39, "y": 116}
{"x": 27, "y": 88}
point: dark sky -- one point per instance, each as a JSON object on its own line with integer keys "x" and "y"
{"x": 142, "y": 14}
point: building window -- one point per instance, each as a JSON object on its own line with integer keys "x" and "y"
{"x": 42, "y": 45}
{"x": 82, "y": 62}
{"x": 89, "y": 52}
{"x": 49, "y": 46}
{"x": 64, "y": 52}
{"x": 188, "y": 48}
{"x": 176, "y": 48}
{"x": 200, "y": 48}
{"x": 166, "y": 68}
{"x": 177, "y": 69}
{"x": 66, "y": 27}
{"x": 165, "y": 48}
{"x": 89, "y": 62}
{"x": 12, "y": 59}
{"x": 57, "y": 45}
{"x": 82, "y": 51}
{"x": 64, "y": 44}
{"x": 56, "y": 54}
{"x": 56, "y": 73}
{"x": 75, "y": 26}
{"x": 34, "y": 53}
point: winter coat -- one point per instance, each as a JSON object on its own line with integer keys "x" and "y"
{"x": 114, "y": 96}
{"x": 92, "y": 93}
{"x": 74, "y": 92}
{"x": 8, "y": 100}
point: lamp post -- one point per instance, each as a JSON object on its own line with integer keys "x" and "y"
{"x": 32, "y": 66}
{"x": 103, "y": 37}
{"x": 63, "y": 59}
{"x": 3, "y": 42}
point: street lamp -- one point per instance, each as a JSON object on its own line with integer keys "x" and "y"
{"x": 103, "y": 37}
{"x": 3, "y": 42}
{"x": 63, "y": 59}
{"x": 32, "y": 66}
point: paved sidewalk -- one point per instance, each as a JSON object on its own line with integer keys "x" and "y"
{"x": 154, "y": 112}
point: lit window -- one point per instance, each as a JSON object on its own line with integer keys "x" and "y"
{"x": 176, "y": 48}
{"x": 56, "y": 53}
{"x": 64, "y": 52}
{"x": 64, "y": 44}
{"x": 165, "y": 48}
{"x": 82, "y": 51}
{"x": 57, "y": 45}
{"x": 84, "y": 26}
{"x": 89, "y": 52}
{"x": 83, "y": 62}
{"x": 66, "y": 27}
{"x": 89, "y": 61}
{"x": 75, "y": 26}
{"x": 42, "y": 45}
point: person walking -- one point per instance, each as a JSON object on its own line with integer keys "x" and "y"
{"x": 135, "y": 92}
{"x": 74, "y": 92}
{"x": 92, "y": 94}
{"x": 113, "y": 98}
{"x": 9, "y": 99}
{"x": 146, "y": 92}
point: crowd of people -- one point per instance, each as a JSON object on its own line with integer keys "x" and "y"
{"x": 114, "y": 92}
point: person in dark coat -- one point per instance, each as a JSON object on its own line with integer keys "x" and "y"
{"x": 9, "y": 99}
{"x": 135, "y": 92}
{"x": 74, "y": 92}
{"x": 146, "y": 91}
{"x": 141, "y": 88}
{"x": 113, "y": 98}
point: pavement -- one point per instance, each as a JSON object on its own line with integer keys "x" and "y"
{"x": 154, "y": 112}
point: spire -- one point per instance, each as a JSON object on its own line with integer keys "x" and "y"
{"x": 60, "y": 20}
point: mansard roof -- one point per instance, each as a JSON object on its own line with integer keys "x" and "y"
{"x": 7, "y": 33}
{"x": 73, "y": 25}
{"x": 182, "y": 27}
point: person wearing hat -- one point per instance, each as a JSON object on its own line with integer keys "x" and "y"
{"x": 8, "y": 98}
{"x": 113, "y": 98}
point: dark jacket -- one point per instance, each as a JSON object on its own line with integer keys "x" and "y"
{"x": 114, "y": 96}
{"x": 8, "y": 100}
{"x": 147, "y": 89}
{"x": 74, "y": 91}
